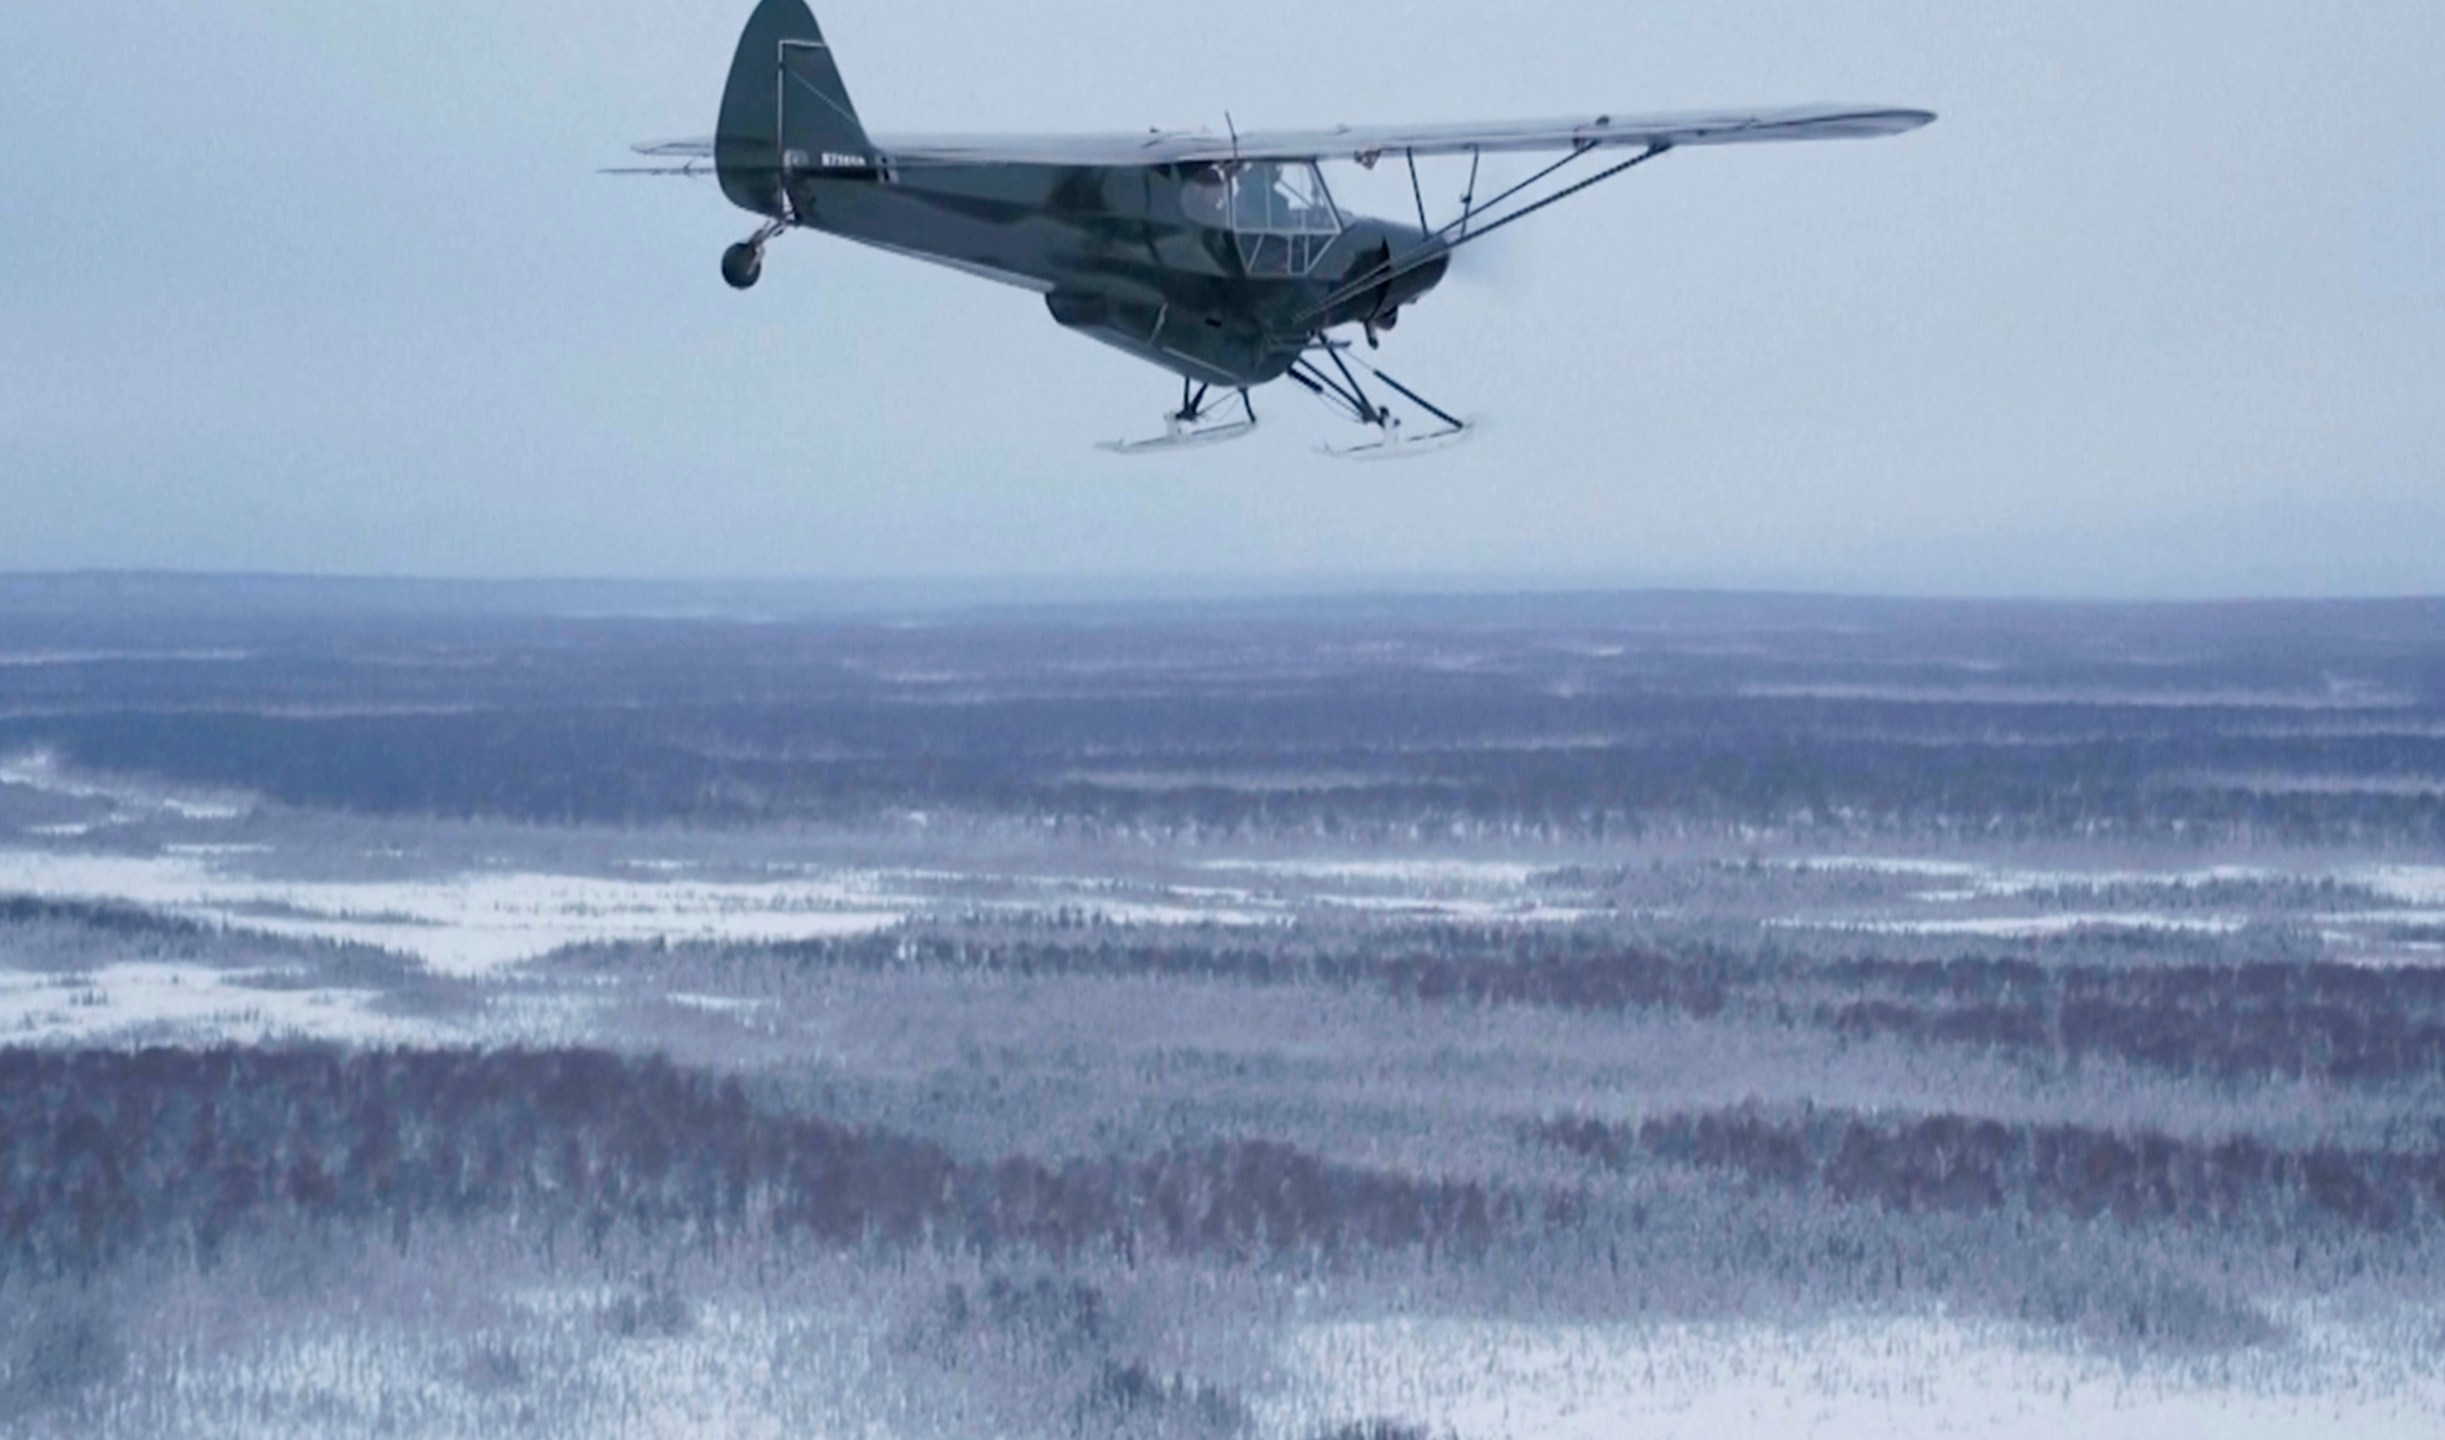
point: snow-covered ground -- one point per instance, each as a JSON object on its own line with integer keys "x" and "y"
{"x": 467, "y": 924}
{"x": 162, "y": 1000}
{"x": 1418, "y": 872}
{"x": 2012, "y": 927}
{"x": 471, "y": 922}
{"x": 126, "y": 800}
{"x": 1855, "y": 1380}
{"x": 1998, "y": 901}
{"x": 479, "y": 912}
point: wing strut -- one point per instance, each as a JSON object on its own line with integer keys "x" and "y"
{"x": 1465, "y": 231}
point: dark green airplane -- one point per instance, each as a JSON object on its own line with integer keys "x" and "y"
{"x": 1222, "y": 259}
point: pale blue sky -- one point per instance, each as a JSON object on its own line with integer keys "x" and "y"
{"x": 2158, "y": 308}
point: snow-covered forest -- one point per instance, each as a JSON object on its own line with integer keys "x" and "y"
{"x": 433, "y": 1012}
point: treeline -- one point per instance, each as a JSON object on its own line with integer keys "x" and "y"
{"x": 1410, "y": 756}
{"x": 99, "y": 917}
{"x": 106, "y": 1153}
{"x": 65, "y": 936}
{"x": 1962, "y": 1164}
{"x": 2309, "y": 1020}
{"x": 1510, "y": 965}
{"x": 2228, "y": 1019}
{"x": 1527, "y": 965}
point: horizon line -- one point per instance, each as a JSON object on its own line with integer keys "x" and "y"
{"x": 1024, "y": 588}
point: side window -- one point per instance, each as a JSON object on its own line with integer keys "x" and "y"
{"x": 1253, "y": 212}
{"x": 1206, "y": 198}
{"x": 1281, "y": 214}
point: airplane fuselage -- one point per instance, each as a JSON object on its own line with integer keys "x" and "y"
{"x": 1119, "y": 257}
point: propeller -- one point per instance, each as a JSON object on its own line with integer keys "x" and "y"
{"x": 1497, "y": 264}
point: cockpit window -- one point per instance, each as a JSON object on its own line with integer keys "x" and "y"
{"x": 1280, "y": 212}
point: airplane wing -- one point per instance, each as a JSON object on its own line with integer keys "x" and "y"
{"x": 1365, "y": 144}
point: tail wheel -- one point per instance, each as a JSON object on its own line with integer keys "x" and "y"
{"x": 743, "y": 265}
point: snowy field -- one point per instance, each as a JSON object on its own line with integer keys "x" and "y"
{"x": 1860, "y": 1378}
{"x": 469, "y": 917}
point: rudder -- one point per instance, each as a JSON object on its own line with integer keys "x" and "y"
{"x": 786, "y": 110}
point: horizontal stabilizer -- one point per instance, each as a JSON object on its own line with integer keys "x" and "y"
{"x": 674, "y": 149}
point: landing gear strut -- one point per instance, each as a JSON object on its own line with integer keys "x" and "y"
{"x": 743, "y": 263}
{"x": 1196, "y": 422}
{"x": 1341, "y": 389}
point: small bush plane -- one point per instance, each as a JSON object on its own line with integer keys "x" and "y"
{"x": 1223, "y": 259}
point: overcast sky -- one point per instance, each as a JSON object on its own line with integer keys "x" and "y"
{"x": 2158, "y": 308}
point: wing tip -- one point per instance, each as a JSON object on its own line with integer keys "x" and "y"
{"x": 1893, "y": 119}
{"x": 1848, "y": 122}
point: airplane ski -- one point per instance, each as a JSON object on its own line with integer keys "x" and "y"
{"x": 1193, "y": 425}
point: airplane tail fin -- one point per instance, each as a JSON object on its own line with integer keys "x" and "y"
{"x": 786, "y": 111}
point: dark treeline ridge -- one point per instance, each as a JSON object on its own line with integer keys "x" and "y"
{"x": 101, "y": 917}
{"x": 1567, "y": 716}
{"x": 1583, "y": 970}
{"x": 70, "y": 936}
{"x": 2302, "y": 1019}
{"x": 106, "y": 1153}
{"x": 2291, "y": 1017}
{"x": 1957, "y": 1163}
{"x": 1485, "y": 766}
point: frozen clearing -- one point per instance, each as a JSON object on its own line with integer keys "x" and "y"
{"x": 146, "y": 1000}
{"x": 2023, "y": 927}
{"x": 42, "y": 772}
{"x": 2418, "y": 888}
{"x": 465, "y": 925}
{"x": 1849, "y": 1380}
{"x": 1890, "y": 865}
{"x": 1986, "y": 881}
{"x": 1527, "y": 911}
{"x": 2411, "y": 884}
{"x": 739, "y": 1373}
{"x": 2343, "y": 697}
{"x": 1500, "y": 874}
